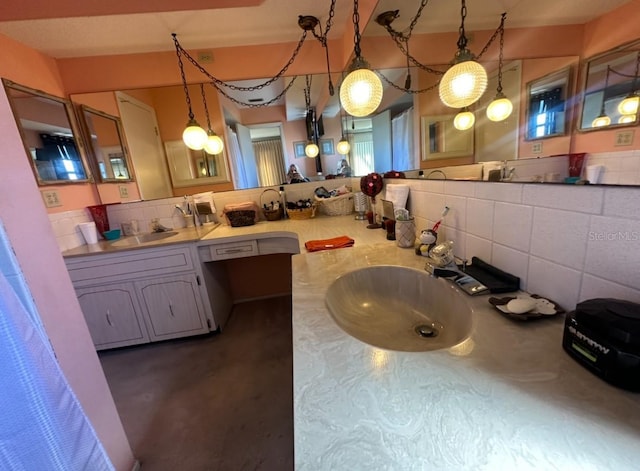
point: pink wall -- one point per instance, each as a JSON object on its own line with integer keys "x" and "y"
{"x": 25, "y": 220}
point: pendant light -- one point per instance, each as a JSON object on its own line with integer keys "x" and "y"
{"x": 501, "y": 107}
{"x": 465, "y": 82}
{"x": 343, "y": 147}
{"x": 193, "y": 136}
{"x": 311, "y": 150}
{"x": 214, "y": 144}
{"x": 361, "y": 90}
{"x": 464, "y": 120}
{"x": 629, "y": 106}
{"x": 602, "y": 119}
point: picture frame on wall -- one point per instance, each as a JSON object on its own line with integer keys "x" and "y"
{"x": 326, "y": 147}
{"x": 298, "y": 149}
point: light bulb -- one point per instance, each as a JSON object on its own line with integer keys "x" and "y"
{"x": 464, "y": 120}
{"x": 500, "y": 108}
{"x": 463, "y": 84}
{"x": 343, "y": 147}
{"x": 311, "y": 150}
{"x": 601, "y": 121}
{"x": 627, "y": 119}
{"x": 361, "y": 92}
{"x": 629, "y": 105}
{"x": 194, "y": 136}
{"x": 214, "y": 144}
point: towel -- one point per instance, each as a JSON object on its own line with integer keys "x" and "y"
{"x": 397, "y": 194}
{"x": 328, "y": 244}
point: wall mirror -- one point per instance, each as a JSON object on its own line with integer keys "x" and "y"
{"x": 547, "y": 99}
{"x": 610, "y": 78}
{"x": 190, "y": 167}
{"x": 441, "y": 140}
{"x": 50, "y": 135}
{"x": 107, "y": 151}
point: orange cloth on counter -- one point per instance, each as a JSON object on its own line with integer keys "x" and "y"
{"x": 328, "y": 244}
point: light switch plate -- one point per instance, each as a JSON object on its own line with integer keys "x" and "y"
{"x": 624, "y": 138}
{"x": 124, "y": 191}
{"x": 51, "y": 198}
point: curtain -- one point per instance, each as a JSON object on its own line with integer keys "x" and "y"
{"x": 270, "y": 161}
{"x": 402, "y": 157}
{"x": 238, "y": 173}
{"x": 43, "y": 426}
{"x": 361, "y": 152}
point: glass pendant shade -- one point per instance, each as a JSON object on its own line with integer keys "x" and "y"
{"x": 361, "y": 92}
{"x": 629, "y": 106}
{"x": 311, "y": 150}
{"x": 343, "y": 147}
{"x": 500, "y": 108}
{"x": 627, "y": 119}
{"x": 214, "y": 144}
{"x": 194, "y": 136}
{"x": 600, "y": 121}
{"x": 463, "y": 84}
{"x": 464, "y": 120}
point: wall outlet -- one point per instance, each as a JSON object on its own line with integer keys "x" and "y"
{"x": 624, "y": 138}
{"x": 51, "y": 198}
{"x": 536, "y": 148}
{"x": 124, "y": 191}
{"x": 205, "y": 57}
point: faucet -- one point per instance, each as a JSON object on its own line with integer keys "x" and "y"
{"x": 444, "y": 176}
{"x": 507, "y": 172}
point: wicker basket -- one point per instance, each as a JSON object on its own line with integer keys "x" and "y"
{"x": 241, "y": 217}
{"x": 271, "y": 214}
{"x": 303, "y": 213}
{"x": 336, "y": 205}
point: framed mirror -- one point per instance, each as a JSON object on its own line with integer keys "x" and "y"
{"x": 194, "y": 167}
{"x": 547, "y": 99}
{"x": 107, "y": 151}
{"x": 441, "y": 140}
{"x": 49, "y": 134}
{"x": 610, "y": 78}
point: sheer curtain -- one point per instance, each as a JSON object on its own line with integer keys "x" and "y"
{"x": 238, "y": 172}
{"x": 270, "y": 161}
{"x": 361, "y": 152}
{"x": 403, "y": 157}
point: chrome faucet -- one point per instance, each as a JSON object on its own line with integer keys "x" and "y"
{"x": 507, "y": 172}
{"x": 444, "y": 176}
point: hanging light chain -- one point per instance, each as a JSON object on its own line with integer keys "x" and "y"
{"x": 415, "y": 18}
{"x": 322, "y": 37}
{"x": 206, "y": 109}
{"x": 493, "y": 37}
{"x": 462, "y": 39}
{"x": 423, "y": 90}
{"x": 307, "y": 92}
{"x": 501, "y": 56}
{"x": 182, "y": 76}
{"x": 255, "y": 105}
{"x": 356, "y": 29}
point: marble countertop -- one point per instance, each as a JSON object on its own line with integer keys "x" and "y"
{"x": 507, "y": 398}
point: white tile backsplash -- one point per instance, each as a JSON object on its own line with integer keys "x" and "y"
{"x": 587, "y": 200}
{"x": 622, "y": 202}
{"x": 478, "y": 247}
{"x": 511, "y": 261}
{"x": 561, "y": 284}
{"x": 480, "y": 217}
{"x": 512, "y": 225}
{"x": 594, "y": 287}
{"x": 507, "y": 192}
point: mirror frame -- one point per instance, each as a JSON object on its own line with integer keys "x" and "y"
{"x": 626, "y": 47}
{"x": 73, "y": 127}
{"x": 566, "y": 74}
{"x": 468, "y": 139}
{"x": 93, "y": 153}
{"x": 179, "y": 154}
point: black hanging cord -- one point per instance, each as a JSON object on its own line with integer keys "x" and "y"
{"x": 500, "y": 57}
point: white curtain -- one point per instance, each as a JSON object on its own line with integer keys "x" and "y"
{"x": 403, "y": 156}
{"x": 43, "y": 426}
{"x": 361, "y": 152}
{"x": 270, "y": 161}
{"x": 238, "y": 172}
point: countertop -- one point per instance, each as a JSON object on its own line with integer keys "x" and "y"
{"x": 507, "y": 398}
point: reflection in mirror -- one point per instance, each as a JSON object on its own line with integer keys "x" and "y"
{"x": 104, "y": 135}
{"x": 547, "y": 105}
{"x": 441, "y": 140}
{"x": 48, "y": 131}
{"x": 610, "y": 78}
{"x": 190, "y": 167}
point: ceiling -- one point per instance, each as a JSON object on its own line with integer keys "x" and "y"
{"x": 78, "y": 28}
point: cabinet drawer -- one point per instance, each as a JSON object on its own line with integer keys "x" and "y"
{"x": 247, "y": 248}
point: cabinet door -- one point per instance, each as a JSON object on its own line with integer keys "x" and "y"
{"x": 111, "y": 312}
{"x": 172, "y": 306}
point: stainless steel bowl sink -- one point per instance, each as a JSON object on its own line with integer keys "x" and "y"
{"x": 143, "y": 239}
{"x": 399, "y": 308}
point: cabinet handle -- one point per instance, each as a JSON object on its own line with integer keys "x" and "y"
{"x": 231, "y": 251}
{"x": 109, "y": 318}
{"x": 171, "y": 310}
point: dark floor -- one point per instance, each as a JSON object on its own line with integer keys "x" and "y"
{"x": 218, "y": 402}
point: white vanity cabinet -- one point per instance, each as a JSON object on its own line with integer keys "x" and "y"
{"x": 142, "y": 295}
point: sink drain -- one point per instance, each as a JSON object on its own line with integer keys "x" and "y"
{"x": 426, "y": 331}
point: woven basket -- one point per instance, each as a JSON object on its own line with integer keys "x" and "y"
{"x": 271, "y": 214}
{"x": 336, "y": 205}
{"x": 241, "y": 217}
{"x": 303, "y": 213}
